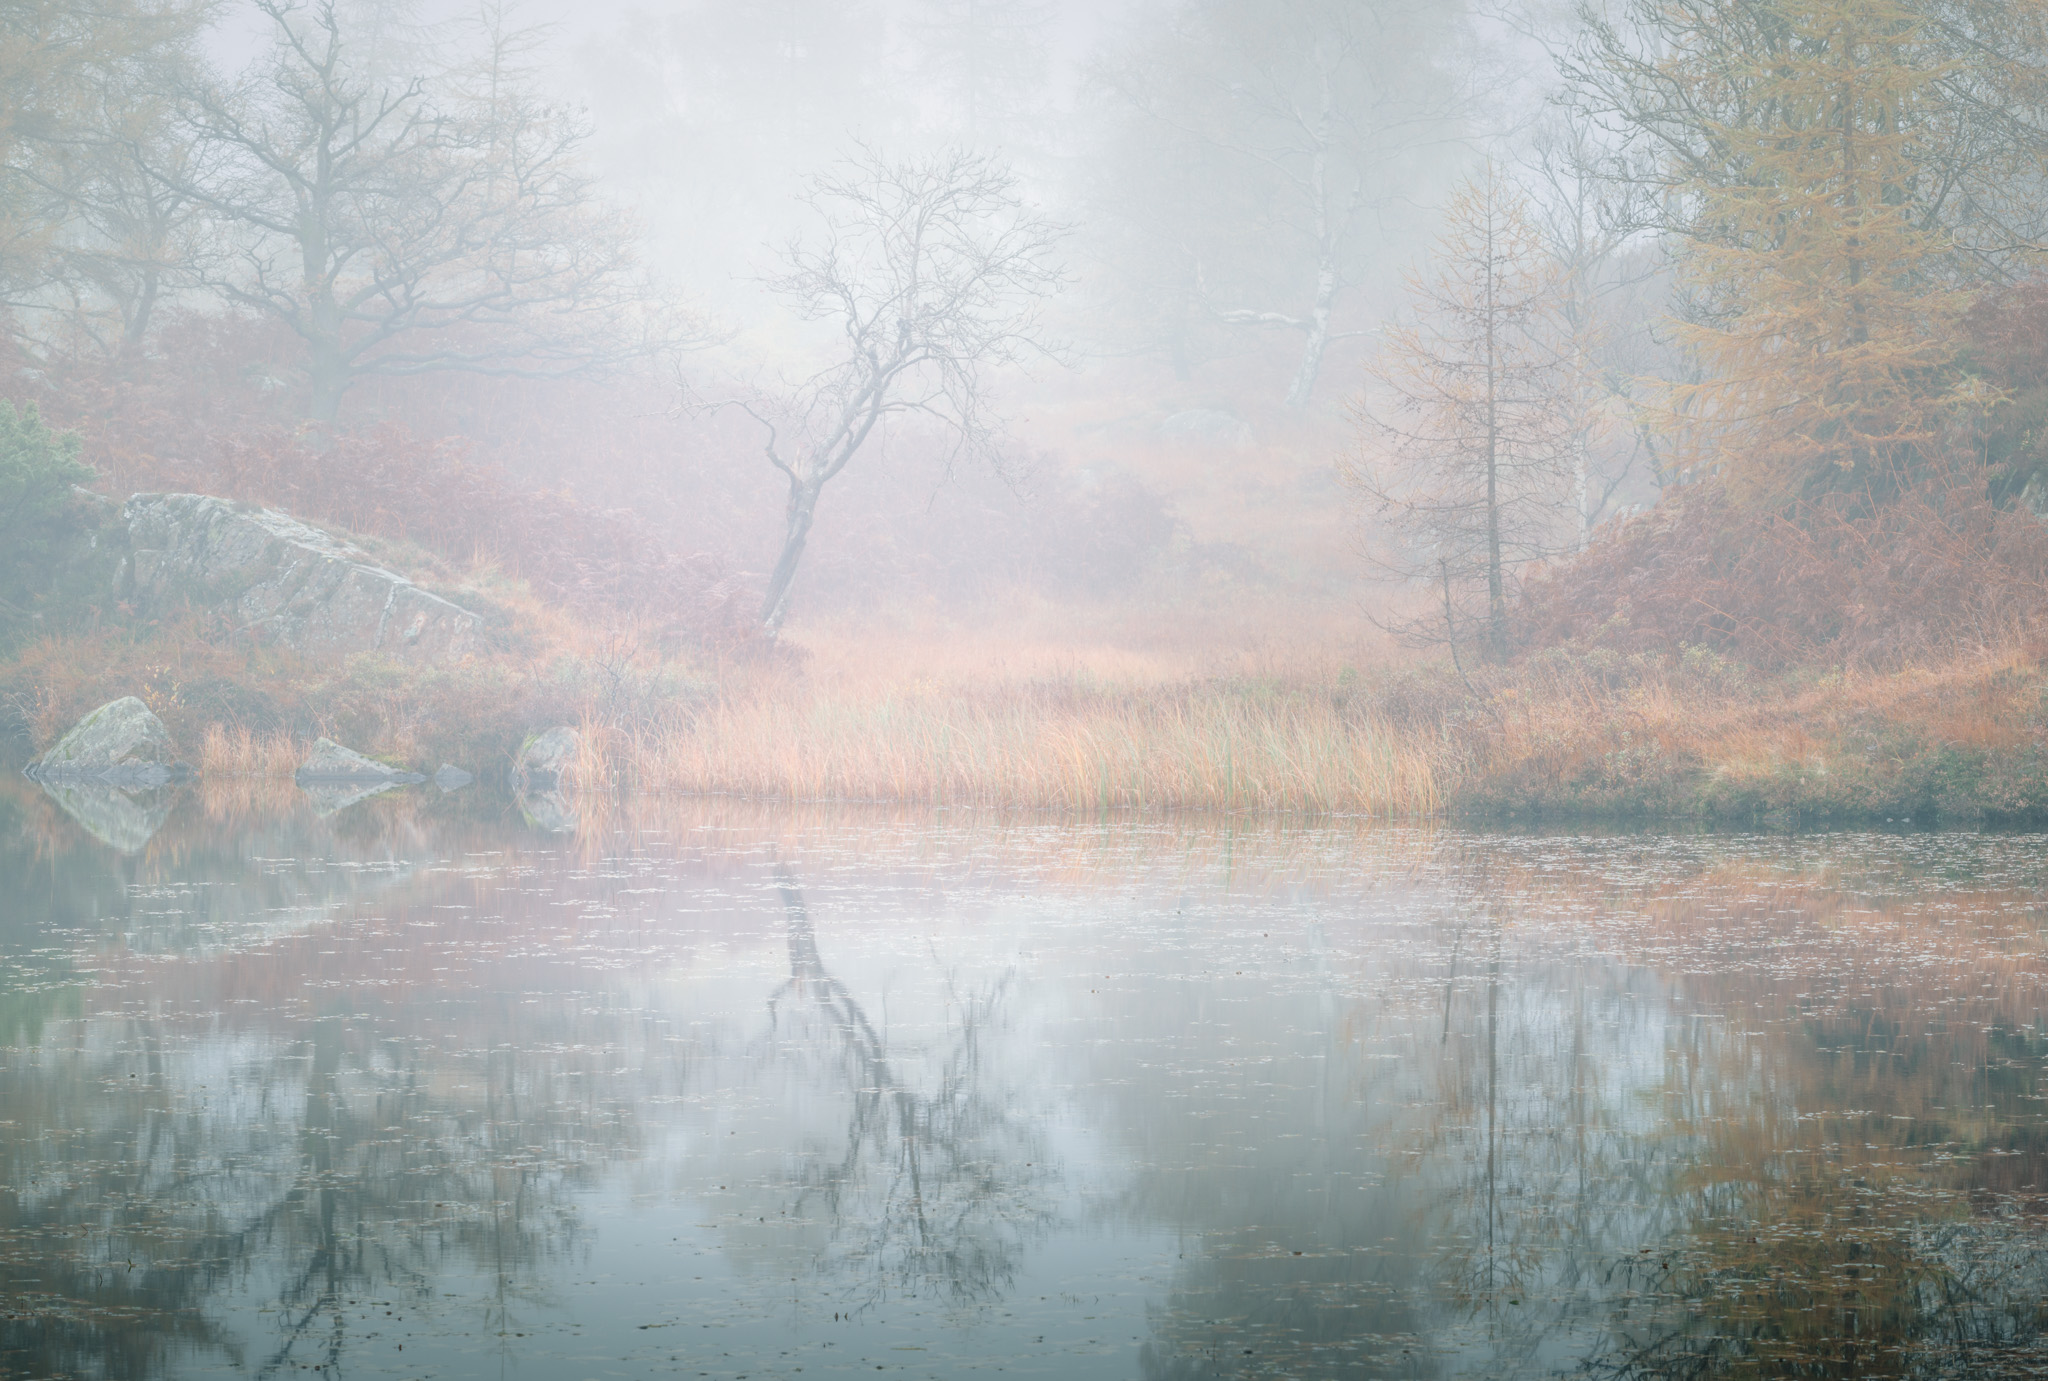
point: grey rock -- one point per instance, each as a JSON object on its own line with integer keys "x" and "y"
{"x": 2034, "y": 494}
{"x": 449, "y": 777}
{"x": 284, "y": 580}
{"x": 547, "y": 760}
{"x": 124, "y": 820}
{"x": 1207, "y": 427}
{"x": 120, "y": 743}
{"x": 330, "y": 762}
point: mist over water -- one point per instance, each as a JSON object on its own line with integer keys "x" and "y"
{"x": 710, "y": 1089}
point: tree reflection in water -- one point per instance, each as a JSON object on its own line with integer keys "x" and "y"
{"x": 139, "y": 1196}
{"x": 934, "y": 1190}
{"x": 1727, "y": 1116}
{"x": 1801, "y": 1138}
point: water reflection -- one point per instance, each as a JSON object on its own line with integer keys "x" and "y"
{"x": 425, "y": 1087}
{"x": 929, "y": 1190}
{"x": 122, "y": 820}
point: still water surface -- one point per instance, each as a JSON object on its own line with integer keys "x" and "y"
{"x": 417, "y": 1089}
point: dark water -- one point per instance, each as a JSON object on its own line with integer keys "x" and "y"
{"x": 419, "y": 1089}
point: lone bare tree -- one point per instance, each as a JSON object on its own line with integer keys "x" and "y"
{"x": 437, "y": 223}
{"x": 1470, "y": 446}
{"x": 935, "y": 272}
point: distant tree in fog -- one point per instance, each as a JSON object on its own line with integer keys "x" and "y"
{"x": 933, "y": 272}
{"x": 988, "y": 59}
{"x": 441, "y": 222}
{"x": 1613, "y": 290}
{"x": 1468, "y": 442}
{"x": 86, "y": 239}
{"x": 1267, "y": 138}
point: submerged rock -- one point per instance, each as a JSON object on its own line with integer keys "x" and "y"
{"x": 284, "y": 580}
{"x": 121, "y": 819}
{"x": 547, "y": 761}
{"x": 122, "y": 743}
{"x": 330, "y": 762}
{"x": 449, "y": 777}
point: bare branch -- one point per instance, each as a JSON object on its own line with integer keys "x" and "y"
{"x": 935, "y": 273}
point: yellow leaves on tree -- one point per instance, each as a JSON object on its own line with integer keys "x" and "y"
{"x": 1826, "y": 300}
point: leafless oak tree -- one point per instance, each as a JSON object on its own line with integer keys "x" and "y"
{"x": 934, "y": 272}
{"x": 437, "y": 224}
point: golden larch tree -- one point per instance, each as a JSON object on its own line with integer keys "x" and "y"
{"x": 1468, "y": 422}
{"x": 1827, "y": 316}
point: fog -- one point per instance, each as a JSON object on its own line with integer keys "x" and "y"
{"x": 1219, "y": 257}
{"x": 1137, "y": 345}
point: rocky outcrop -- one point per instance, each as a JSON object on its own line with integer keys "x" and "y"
{"x": 283, "y": 580}
{"x": 547, "y": 761}
{"x": 120, "y": 744}
{"x": 449, "y": 777}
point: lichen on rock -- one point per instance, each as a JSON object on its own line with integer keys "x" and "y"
{"x": 547, "y": 760}
{"x": 121, "y": 742}
{"x": 330, "y": 762}
{"x": 283, "y": 580}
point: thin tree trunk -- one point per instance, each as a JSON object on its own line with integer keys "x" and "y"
{"x": 1496, "y": 594}
{"x": 1304, "y": 385}
{"x": 803, "y": 504}
{"x": 1326, "y": 289}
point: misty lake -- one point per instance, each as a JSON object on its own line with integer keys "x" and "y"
{"x": 700, "y": 1088}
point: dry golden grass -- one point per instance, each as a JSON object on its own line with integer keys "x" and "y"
{"x": 1559, "y": 716}
{"x": 235, "y": 751}
{"x": 1068, "y": 745}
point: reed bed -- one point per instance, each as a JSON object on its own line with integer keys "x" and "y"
{"x": 235, "y": 751}
{"x": 1058, "y": 748}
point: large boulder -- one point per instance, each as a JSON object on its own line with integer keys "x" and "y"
{"x": 121, "y": 744}
{"x": 283, "y": 580}
{"x": 547, "y": 761}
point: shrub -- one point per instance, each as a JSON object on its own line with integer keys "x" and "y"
{"x": 1936, "y": 567}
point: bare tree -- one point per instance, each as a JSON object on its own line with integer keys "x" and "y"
{"x": 934, "y": 272}
{"x": 438, "y": 224}
{"x": 1468, "y": 451}
{"x": 1296, "y": 126}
